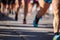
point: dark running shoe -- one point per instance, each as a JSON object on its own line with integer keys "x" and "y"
{"x": 35, "y": 22}
{"x": 24, "y": 21}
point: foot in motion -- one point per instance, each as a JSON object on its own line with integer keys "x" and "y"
{"x": 56, "y": 36}
{"x": 35, "y": 22}
{"x": 24, "y": 21}
{"x": 16, "y": 16}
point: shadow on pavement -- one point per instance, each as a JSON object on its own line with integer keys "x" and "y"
{"x": 29, "y": 35}
{"x": 9, "y": 35}
{"x": 40, "y": 26}
{"x": 5, "y": 18}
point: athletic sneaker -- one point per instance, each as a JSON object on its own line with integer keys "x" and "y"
{"x": 24, "y": 21}
{"x": 35, "y": 22}
{"x": 56, "y": 37}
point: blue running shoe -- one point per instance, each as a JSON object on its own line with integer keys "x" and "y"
{"x": 56, "y": 37}
{"x": 35, "y": 23}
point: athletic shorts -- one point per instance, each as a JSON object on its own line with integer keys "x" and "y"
{"x": 28, "y": 1}
{"x": 35, "y": 2}
{"x": 12, "y": 2}
{"x": 3, "y": 1}
{"x": 48, "y": 1}
{"x": 8, "y": 1}
{"x": 19, "y": 2}
{"x": 0, "y": 1}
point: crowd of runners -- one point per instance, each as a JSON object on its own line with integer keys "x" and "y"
{"x": 14, "y": 5}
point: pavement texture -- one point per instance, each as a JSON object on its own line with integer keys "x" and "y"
{"x": 16, "y": 30}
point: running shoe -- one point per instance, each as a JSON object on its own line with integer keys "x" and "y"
{"x": 35, "y": 22}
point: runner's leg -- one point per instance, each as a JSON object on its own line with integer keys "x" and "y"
{"x": 56, "y": 10}
{"x": 25, "y": 10}
{"x": 44, "y": 6}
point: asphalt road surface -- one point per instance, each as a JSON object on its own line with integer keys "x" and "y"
{"x": 16, "y": 30}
